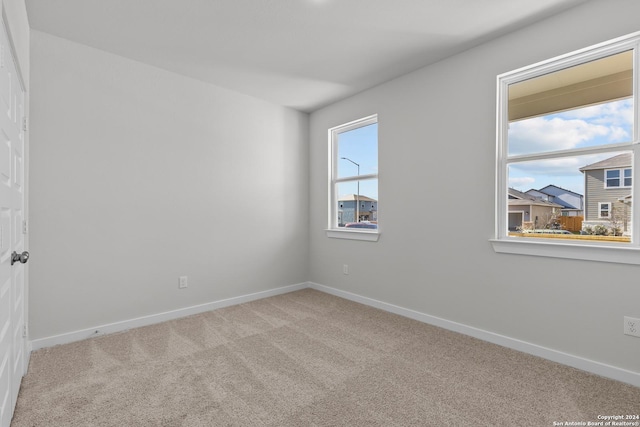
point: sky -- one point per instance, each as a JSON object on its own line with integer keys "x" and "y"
{"x": 360, "y": 146}
{"x": 591, "y": 126}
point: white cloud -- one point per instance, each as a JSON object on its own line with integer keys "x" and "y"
{"x": 564, "y": 166}
{"x": 517, "y": 182}
{"x": 542, "y": 134}
{"x": 618, "y": 134}
{"x": 588, "y": 126}
{"x": 617, "y": 113}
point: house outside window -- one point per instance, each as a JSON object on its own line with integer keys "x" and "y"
{"x": 608, "y": 196}
{"x": 555, "y": 121}
{"x": 572, "y": 203}
{"x": 353, "y": 176}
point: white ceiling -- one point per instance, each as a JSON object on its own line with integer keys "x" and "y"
{"x": 303, "y": 54}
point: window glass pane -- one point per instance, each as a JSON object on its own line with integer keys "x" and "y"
{"x": 613, "y": 178}
{"x": 584, "y": 127}
{"x": 568, "y": 195}
{"x": 351, "y": 204}
{"x": 627, "y": 177}
{"x": 582, "y": 106}
{"x": 358, "y": 151}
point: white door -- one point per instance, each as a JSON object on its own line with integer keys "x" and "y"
{"x": 12, "y": 287}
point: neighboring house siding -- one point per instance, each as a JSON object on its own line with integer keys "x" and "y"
{"x": 540, "y": 215}
{"x": 554, "y": 194}
{"x": 596, "y": 193}
{"x": 569, "y": 199}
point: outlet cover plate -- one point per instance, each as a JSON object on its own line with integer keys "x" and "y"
{"x": 183, "y": 282}
{"x": 632, "y": 326}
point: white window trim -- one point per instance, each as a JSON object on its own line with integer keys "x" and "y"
{"x": 369, "y": 236}
{"x": 333, "y": 231}
{"x": 600, "y": 204}
{"x": 594, "y": 252}
{"x": 626, "y": 253}
{"x": 621, "y": 178}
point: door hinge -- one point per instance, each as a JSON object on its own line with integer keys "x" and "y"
{"x": 24, "y": 123}
{"x": 24, "y": 227}
{"x": 25, "y": 331}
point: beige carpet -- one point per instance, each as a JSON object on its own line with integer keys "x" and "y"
{"x": 305, "y": 359}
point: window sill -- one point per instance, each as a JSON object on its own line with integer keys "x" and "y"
{"x": 369, "y": 236}
{"x": 606, "y": 252}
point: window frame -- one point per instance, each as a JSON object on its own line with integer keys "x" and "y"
{"x": 608, "y": 210}
{"x": 624, "y": 177}
{"x": 333, "y": 231}
{"x": 621, "y": 178}
{"x": 627, "y": 253}
{"x": 607, "y": 178}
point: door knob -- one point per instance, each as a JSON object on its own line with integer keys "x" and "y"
{"x": 23, "y": 257}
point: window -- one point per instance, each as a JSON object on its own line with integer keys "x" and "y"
{"x": 604, "y": 209}
{"x": 616, "y": 178}
{"x": 612, "y": 178}
{"x": 353, "y": 189}
{"x": 571, "y": 122}
{"x": 628, "y": 173}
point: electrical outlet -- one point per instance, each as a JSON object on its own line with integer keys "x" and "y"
{"x": 345, "y": 269}
{"x": 183, "y": 282}
{"x": 632, "y": 326}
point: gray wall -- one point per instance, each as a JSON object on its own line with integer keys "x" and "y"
{"x": 443, "y": 116}
{"x": 139, "y": 176}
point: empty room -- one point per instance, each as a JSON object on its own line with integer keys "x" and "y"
{"x": 319, "y": 213}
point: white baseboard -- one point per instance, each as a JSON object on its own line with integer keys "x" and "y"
{"x": 588, "y": 365}
{"x": 578, "y": 362}
{"x": 157, "y": 318}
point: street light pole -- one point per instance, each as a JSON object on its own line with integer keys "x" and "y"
{"x": 357, "y": 195}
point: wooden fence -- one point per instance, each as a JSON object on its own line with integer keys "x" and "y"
{"x": 571, "y": 223}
